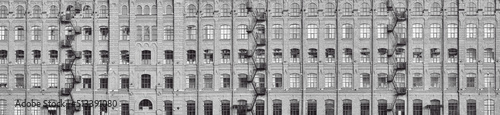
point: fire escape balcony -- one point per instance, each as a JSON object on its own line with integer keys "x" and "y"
{"x": 260, "y": 91}
{"x": 260, "y": 66}
{"x": 260, "y": 17}
{"x": 65, "y": 44}
{"x": 400, "y": 15}
{"x": 401, "y": 41}
{"x": 66, "y": 67}
{"x": 66, "y": 91}
{"x": 389, "y": 5}
{"x": 400, "y": 65}
{"x": 66, "y": 18}
{"x": 78, "y": 79}
{"x": 260, "y": 39}
{"x": 400, "y": 91}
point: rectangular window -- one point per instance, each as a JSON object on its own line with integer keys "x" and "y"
{"x": 125, "y": 83}
{"x": 87, "y": 110}
{"x": 294, "y": 31}
{"x": 418, "y": 80}
{"x": 365, "y": 81}
{"x": 294, "y": 57}
{"x": 435, "y": 55}
{"x": 19, "y": 81}
{"x": 169, "y": 57}
{"x": 365, "y": 108}
{"x": 87, "y": 33}
{"x": 52, "y": 81}
{"x": 278, "y": 80}
{"x": 191, "y": 81}
{"x": 208, "y": 108}
{"x": 226, "y": 108}
{"x": 312, "y": 81}
{"x": 453, "y": 108}
{"x": 191, "y": 108}
{"x": 347, "y": 81}
{"x": 125, "y": 109}
{"x": 243, "y": 82}
{"x": 471, "y": 81}
{"x": 294, "y": 108}
{"x": 169, "y": 108}
{"x": 277, "y": 56}
{"x": 382, "y": 107}
{"x": 347, "y": 57}
{"x": 103, "y": 83}
{"x": 346, "y": 109}
{"x": 382, "y": 81}
{"x": 87, "y": 83}
{"x": 417, "y": 108}
{"x": 471, "y": 107}
{"x": 452, "y": 80}
{"x": 208, "y": 80}
{"x": 36, "y": 81}
{"x": 19, "y": 33}
{"x": 169, "y": 33}
{"x": 226, "y": 56}
{"x": 124, "y": 33}
{"x": 169, "y": 82}
{"x": 277, "y": 31}
{"x": 330, "y": 80}
{"x": 435, "y": 82}
{"x": 295, "y": 81}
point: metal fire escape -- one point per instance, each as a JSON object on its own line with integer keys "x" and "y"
{"x": 257, "y": 53}
{"x": 66, "y": 44}
{"x": 395, "y": 43}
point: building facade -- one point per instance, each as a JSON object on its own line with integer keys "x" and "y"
{"x": 274, "y": 57}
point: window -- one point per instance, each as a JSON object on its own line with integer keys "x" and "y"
{"x": 471, "y": 8}
{"x": 242, "y": 11}
{"x": 226, "y": 56}
{"x": 169, "y": 33}
{"x": 36, "y": 81}
{"x": 418, "y": 80}
{"x": 125, "y": 109}
{"x": 52, "y": 33}
{"x": 87, "y": 12}
{"x": 3, "y": 56}
{"x": 124, "y": 10}
{"x": 277, "y": 10}
{"x": 104, "y": 56}
{"x": 490, "y": 9}
{"x": 400, "y": 80}
{"x": 154, "y": 10}
{"x": 382, "y": 8}
{"x": 330, "y": 80}
{"x": 259, "y": 107}
{"x": 243, "y": 80}
{"x": 69, "y": 80}
{"x": 226, "y": 10}
{"x": 4, "y": 12}
{"x": 365, "y": 55}
{"x": 277, "y": 80}
{"x": 417, "y": 7}
{"x": 209, "y": 10}
{"x": 365, "y": 107}
{"x": 37, "y": 11}
{"x": 471, "y": 30}
{"x": 364, "y": 80}
{"x": 145, "y": 81}
{"x": 242, "y": 32}
{"x": 191, "y": 31}
{"x": 346, "y": 107}
{"x": 435, "y": 9}
{"x": 87, "y": 33}
{"x": 260, "y": 80}
{"x": 489, "y": 31}
{"x": 277, "y": 56}
{"x": 19, "y": 110}
{"x": 139, "y": 33}
{"x": 400, "y": 106}
{"x": 20, "y": 11}
{"x": 452, "y": 55}
{"x": 295, "y": 80}
{"x": 125, "y": 82}
{"x": 382, "y": 80}
{"x": 87, "y": 81}
{"x": 347, "y": 9}
{"x": 453, "y": 9}
{"x": 277, "y": 107}
{"x": 4, "y": 81}
{"x": 452, "y": 31}
{"x": 146, "y": 34}
{"x": 435, "y": 30}
{"x": 312, "y": 9}
{"x": 191, "y": 107}
{"x": 278, "y": 31}
{"x": 453, "y": 107}
{"x": 295, "y": 10}
{"x": 347, "y": 31}
{"x": 226, "y": 107}
{"x": 209, "y": 32}
{"x": 191, "y": 81}
{"x": 312, "y": 80}
{"x": 330, "y": 9}
{"x": 382, "y": 31}
{"x": 208, "y": 107}
{"x": 489, "y": 55}
{"x": 225, "y": 32}
{"x": 417, "y": 107}
{"x": 243, "y": 56}
{"x": 312, "y": 31}
{"x": 146, "y": 57}
{"x": 382, "y": 52}
{"x": 19, "y": 33}
{"x": 417, "y": 30}
{"x": 417, "y": 55}
{"x": 382, "y": 107}
{"x": 294, "y": 107}
{"x": 169, "y": 10}
{"x": 209, "y": 56}
{"x": 471, "y": 80}
{"x": 294, "y": 31}
{"x": 471, "y": 55}
{"x": 311, "y": 107}
{"x": 400, "y": 55}
{"x": 169, "y": 57}
{"x": 145, "y": 104}
{"x": 104, "y": 11}
{"x": 146, "y": 10}
{"x": 435, "y": 80}
{"x": 208, "y": 81}
{"x": 330, "y": 55}
{"x": 124, "y": 33}
{"x": 124, "y": 57}
{"x": 225, "y": 81}
{"x": 87, "y": 109}
{"x": 103, "y": 82}
{"x": 36, "y": 56}
{"x": 489, "y": 80}
{"x": 435, "y": 55}
{"x": 489, "y": 107}
{"x": 365, "y": 9}
{"x": 169, "y": 81}
{"x": 452, "y": 80}
{"x": 347, "y": 57}
{"x": 471, "y": 107}
{"x": 347, "y": 80}
{"x": 330, "y": 31}
{"x": 3, "y": 106}
{"x": 19, "y": 57}
{"x": 313, "y": 55}
{"x": 294, "y": 55}
{"x": 52, "y": 81}
{"x": 365, "y": 31}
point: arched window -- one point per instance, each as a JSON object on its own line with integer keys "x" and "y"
{"x": 278, "y": 9}
{"x": 312, "y": 80}
{"x": 226, "y": 10}
{"x": 489, "y": 107}
{"x": 191, "y": 11}
{"x": 347, "y": 9}
{"x": 471, "y": 30}
{"x": 311, "y": 107}
{"x": 169, "y": 9}
{"x": 330, "y": 9}
{"x": 452, "y": 30}
{"x": 87, "y": 11}
{"x": 242, "y": 11}
{"x": 453, "y": 8}
{"x": 139, "y": 10}
{"x": 365, "y": 9}
{"x": 417, "y": 30}
{"x": 154, "y": 10}
{"x": 489, "y": 31}
{"x": 103, "y": 11}
{"x": 435, "y": 9}
{"x": 313, "y": 9}
{"x": 20, "y": 11}
{"x": 471, "y": 8}
{"x": 417, "y": 107}
{"x": 471, "y": 55}
{"x": 295, "y": 9}
{"x": 209, "y": 10}
{"x": 347, "y": 31}
{"x": 146, "y": 10}
{"x": 145, "y": 104}
{"x": 382, "y": 107}
{"x": 37, "y": 11}
{"x": 417, "y": 8}
{"x": 294, "y": 107}
{"x": 124, "y": 10}
{"x": 208, "y": 32}
{"x": 453, "y": 107}
{"x": 4, "y": 12}
{"x": 347, "y": 107}
{"x": 312, "y": 31}
{"x": 365, "y": 107}
{"x": 382, "y": 8}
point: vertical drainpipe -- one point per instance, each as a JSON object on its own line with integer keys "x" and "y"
{"x": 232, "y": 59}
{"x": 372, "y": 61}
{"x": 458, "y": 51}
{"x": 267, "y": 55}
{"x": 337, "y": 54}
{"x": 407, "y": 57}
{"x": 197, "y": 83}
{"x": 109, "y": 52}
{"x": 93, "y": 50}
{"x": 26, "y": 72}
{"x": 59, "y": 55}
{"x": 302, "y": 57}
{"x": 442, "y": 56}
